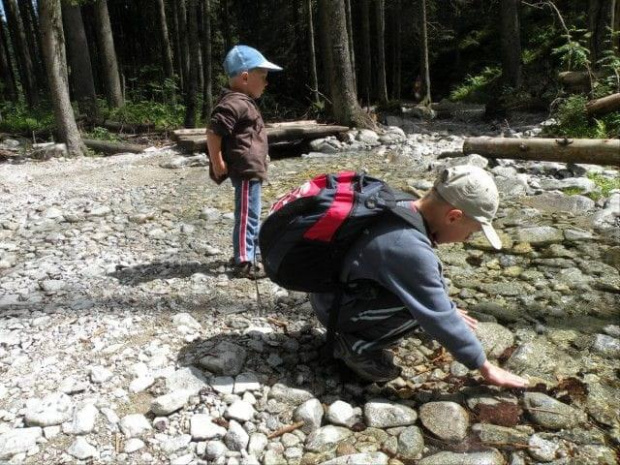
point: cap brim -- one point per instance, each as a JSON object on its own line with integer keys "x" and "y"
{"x": 268, "y": 65}
{"x": 491, "y": 236}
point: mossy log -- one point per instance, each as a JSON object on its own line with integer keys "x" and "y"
{"x": 593, "y": 151}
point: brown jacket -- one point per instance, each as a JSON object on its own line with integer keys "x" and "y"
{"x": 237, "y": 119}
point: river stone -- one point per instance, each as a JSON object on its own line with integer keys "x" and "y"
{"x": 134, "y": 425}
{"x": 341, "y": 414}
{"x": 202, "y": 428}
{"x": 542, "y": 449}
{"x": 410, "y": 443}
{"x": 225, "y": 359}
{"x": 368, "y": 137}
{"x": 585, "y": 185}
{"x": 240, "y": 410}
{"x": 503, "y": 313}
{"x": 311, "y": 413}
{"x": 446, "y": 420}
{"x": 214, "y": 450}
{"x": 382, "y": 413}
{"x": 542, "y": 359}
{"x": 326, "y": 438}
{"x": 368, "y": 458}
{"x": 492, "y": 457}
{"x": 551, "y": 413}
{"x": 82, "y": 450}
{"x": 538, "y": 236}
{"x": 289, "y": 395}
{"x": 603, "y": 401}
{"x": 54, "y": 409}
{"x": 84, "y": 419}
{"x": 493, "y": 434}
{"x": 606, "y": 346}
{"x": 246, "y": 382}
{"x": 258, "y": 443}
{"x": 511, "y": 289}
{"x": 169, "y": 403}
{"x": 236, "y": 438}
{"x": 189, "y": 379}
{"x": 557, "y": 201}
{"x": 18, "y": 441}
{"x": 495, "y": 338}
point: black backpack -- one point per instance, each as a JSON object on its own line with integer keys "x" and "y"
{"x": 305, "y": 237}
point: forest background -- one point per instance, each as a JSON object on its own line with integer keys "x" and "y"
{"x": 72, "y": 67}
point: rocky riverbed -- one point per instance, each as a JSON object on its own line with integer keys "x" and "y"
{"x": 124, "y": 337}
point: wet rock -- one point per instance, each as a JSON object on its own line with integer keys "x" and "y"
{"x": 541, "y": 359}
{"x": 18, "y": 441}
{"x": 557, "y": 201}
{"x": 495, "y": 338}
{"x": 368, "y": 137}
{"x": 215, "y": 450}
{"x": 542, "y": 449}
{"x": 504, "y": 314}
{"x": 382, "y": 413}
{"x": 607, "y": 346}
{"x": 446, "y": 420}
{"x": 550, "y": 413}
{"x": 410, "y": 443}
{"x": 603, "y": 401}
{"x": 493, "y": 434}
{"x": 225, "y": 359}
{"x": 492, "y": 457}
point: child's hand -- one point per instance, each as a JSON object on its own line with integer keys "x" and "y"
{"x": 498, "y": 376}
{"x": 219, "y": 168}
{"x": 470, "y": 321}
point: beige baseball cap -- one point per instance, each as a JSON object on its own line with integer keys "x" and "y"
{"x": 472, "y": 190}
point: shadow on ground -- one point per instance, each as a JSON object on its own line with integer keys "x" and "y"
{"x": 134, "y": 275}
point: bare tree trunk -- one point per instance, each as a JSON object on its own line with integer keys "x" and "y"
{"x": 80, "y": 70}
{"x": 350, "y": 36}
{"x": 53, "y": 48}
{"x": 165, "y": 40}
{"x": 9, "y": 90}
{"x": 366, "y": 87}
{"x": 20, "y": 47}
{"x": 176, "y": 44}
{"x": 314, "y": 79}
{"x": 601, "y": 17}
{"x": 183, "y": 44}
{"x": 226, "y": 26}
{"x": 190, "y": 92}
{"x": 345, "y": 108}
{"x": 616, "y": 27}
{"x": 396, "y": 49}
{"x": 108, "y": 55}
{"x": 511, "y": 43}
{"x": 382, "y": 94}
{"x": 31, "y": 28}
{"x": 207, "y": 60}
{"x": 425, "y": 62}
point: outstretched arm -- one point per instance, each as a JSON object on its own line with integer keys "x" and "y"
{"x": 500, "y": 377}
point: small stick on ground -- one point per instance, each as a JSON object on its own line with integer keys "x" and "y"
{"x": 286, "y": 429}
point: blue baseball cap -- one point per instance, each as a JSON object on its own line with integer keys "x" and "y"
{"x": 243, "y": 58}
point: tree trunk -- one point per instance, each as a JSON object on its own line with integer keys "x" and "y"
{"x": 314, "y": 78}
{"x": 20, "y": 47}
{"x": 382, "y": 94}
{"x": 616, "y": 27}
{"x": 425, "y": 63}
{"x": 190, "y": 92}
{"x": 53, "y": 47}
{"x": 226, "y": 26}
{"x": 601, "y": 18}
{"x": 345, "y": 108}
{"x": 108, "y": 55}
{"x": 366, "y": 87}
{"x": 396, "y": 49}
{"x": 31, "y": 29}
{"x": 207, "y": 60}
{"x": 604, "y": 105}
{"x": 9, "y": 91}
{"x": 511, "y": 43}
{"x": 80, "y": 70}
{"x": 597, "y": 151}
{"x": 183, "y": 44}
{"x": 176, "y": 43}
{"x": 165, "y": 40}
{"x": 350, "y": 36}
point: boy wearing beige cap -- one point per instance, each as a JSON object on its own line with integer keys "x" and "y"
{"x": 396, "y": 281}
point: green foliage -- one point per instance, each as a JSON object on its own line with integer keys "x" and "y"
{"x": 604, "y": 183}
{"x": 573, "y": 121}
{"x": 573, "y": 53}
{"x": 476, "y": 89}
{"x": 18, "y": 118}
{"x": 100, "y": 133}
{"x": 163, "y": 116}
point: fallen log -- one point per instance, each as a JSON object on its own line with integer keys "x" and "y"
{"x": 126, "y": 127}
{"x": 593, "y": 151}
{"x": 111, "y": 148}
{"x": 581, "y": 79}
{"x": 604, "y": 105}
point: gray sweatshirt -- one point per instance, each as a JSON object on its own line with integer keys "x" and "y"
{"x": 401, "y": 260}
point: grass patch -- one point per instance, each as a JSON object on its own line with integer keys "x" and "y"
{"x": 604, "y": 183}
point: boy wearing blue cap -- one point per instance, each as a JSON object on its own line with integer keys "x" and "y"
{"x": 237, "y": 144}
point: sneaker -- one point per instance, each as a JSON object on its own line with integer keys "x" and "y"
{"x": 377, "y": 366}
